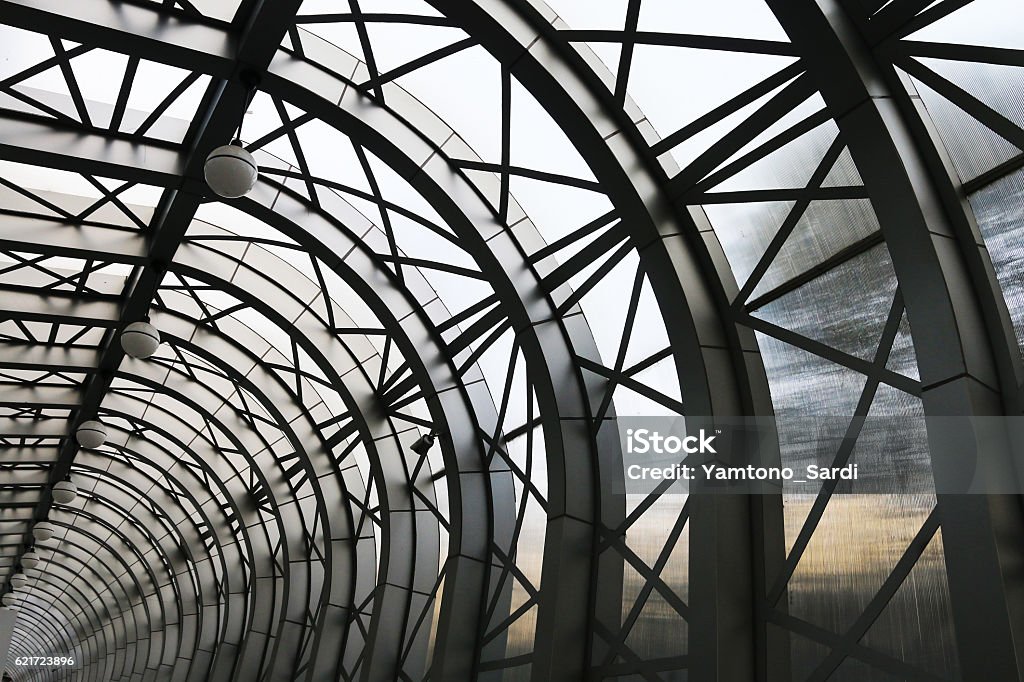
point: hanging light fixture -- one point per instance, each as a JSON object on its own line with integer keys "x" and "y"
{"x": 140, "y": 339}
{"x": 230, "y": 170}
{"x": 30, "y": 559}
{"x": 91, "y": 434}
{"x": 64, "y": 492}
{"x": 9, "y": 599}
{"x": 42, "y": 531}
{"x": 19, "y": 580}
{"x": 423, "y": 444}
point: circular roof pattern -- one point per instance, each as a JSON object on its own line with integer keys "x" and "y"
{"x": 509, "y": 224}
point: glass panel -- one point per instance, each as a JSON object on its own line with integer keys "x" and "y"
{"x": 999, "y": 209}
{"x": 923, "y": 598}
{"x": 845, "y": 308}
{"x": 972, "y": 147}
{"x": 993, "y": 23}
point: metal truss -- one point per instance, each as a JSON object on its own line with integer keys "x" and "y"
{"x": 257, "y": 512}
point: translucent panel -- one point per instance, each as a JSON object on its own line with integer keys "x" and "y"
{"x": 649, "y": 334}
{"x": 532, "y": 464}
{"x": 688, "y": 150}
{"x": 397, "y": 190}
{"x": 49, "y": 179}
{"x": 736, "y": 18}
{"x": 22, "y": 50}
{"x": 649, "y": 608}
{"x": 999, "y": 209}
{"x": 903, "y": 357}
{"x": 387, "y": 6}
{"x": 557, "y": 210}
{"x": 746, "y": 230}
{"x": 606, "y": 306}
{"x": 917, "y": 625}
{"x": 825, "y": 229}
{"x": 537, "y": 141}
{"x": 331, "y": 156}
{"x": 62, "y": 274}
{"x": 477, "y": 117}
{"x": 844, "y": 173}
{"x": 649, "y": 538}
{"x": 152, "y": 85}
{"x": 235, "y": 221}
{"x": 845, "y": 308}
{"x": 803, "y": 384}
{"x": 992, "y": 23}
{"x": 660, "y": 632}
{"x": 520, "y": 633}
{"x": 395, "y": 44}
{"x": 674, "y": 85}
{"x": 586, "y": 14}
{"x": 855, "y": 547}
{"x": 342, "y": 34}
{"x": 797, "y": 115}
{"x": 972, "y": 147}
{"x": 790, "y": 166}
{"x": 609, "y": 54}
{"x": 99, "y": 74}
{"x": 998, "y": 86}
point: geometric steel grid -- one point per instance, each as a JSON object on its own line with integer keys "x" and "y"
{"x": 257, "y": 512}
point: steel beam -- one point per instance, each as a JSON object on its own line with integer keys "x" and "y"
{"x": 717, "y": 365}
{"x": 216, "y": 121}
{"x": 982, "y": 536}
{"x": 140, "y": 30}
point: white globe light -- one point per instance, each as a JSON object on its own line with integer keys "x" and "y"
{"x": 91, "y": 434}
{"x": 64, "y": 492}
{"x": 140, "y": 340}
{"x": 30, "y": 559}
{"x": 230, "y": 171}
{"x": 42, "y": 531}
{"x": 19, "y": 580}
{"x": 9, "y": 598}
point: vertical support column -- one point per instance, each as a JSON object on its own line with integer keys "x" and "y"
{"x": 718, "y": 370}
{"x": 737, "y": 542}
{"x": 956, "y": 355}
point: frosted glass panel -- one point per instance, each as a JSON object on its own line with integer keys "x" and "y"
{"x": 999, "y": 209}
{"x": 660, "y": 631}
{"x": 973, "y": 148}
{"x": 845, "y": 308}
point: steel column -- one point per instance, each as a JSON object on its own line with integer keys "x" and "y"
{"x": 982, "y": 536}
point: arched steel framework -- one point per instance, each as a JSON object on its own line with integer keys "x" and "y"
{"x": 807, "y": 238}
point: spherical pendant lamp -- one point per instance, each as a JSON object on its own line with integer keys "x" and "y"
{"x": 91, "y": 434}
{"x": 8, "y": 599}
{"x": 140, "y": 340}
{"x": 19, "y": 580}
{"x": 64, "y": 492}
{"x": 42, "y": 531}
{"x": 30, "y": 559}
{"x": 230, "y": 171}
